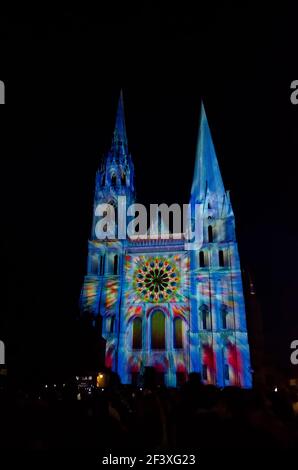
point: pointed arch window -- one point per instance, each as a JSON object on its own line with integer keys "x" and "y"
{"x": 224, "y": 313}
{"x": 178, "y": 338}
{"x": 158, "y": 340}
{"x": 202, "y": 259}
{"x": 160, "y": 224}
{"x": 101, "y": 266}
{"x": 210, "y": 234}
{"x": 221, "y": 258}
{"x": 123, "y": 179}
{"x": 115, "y": 267}
{"x": 205, "y": 317}
{"x": 137, "y": 333}
{"x": 113, "y": 180}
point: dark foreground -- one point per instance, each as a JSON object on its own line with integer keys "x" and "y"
{"x": 121, "y": 418}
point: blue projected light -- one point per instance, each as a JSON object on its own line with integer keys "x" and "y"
{"x": 163, "y": 305}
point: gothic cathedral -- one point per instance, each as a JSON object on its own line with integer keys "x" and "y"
{"x": 162, "y": 304}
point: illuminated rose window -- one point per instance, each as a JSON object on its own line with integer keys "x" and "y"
{"x": 156, "y": 280}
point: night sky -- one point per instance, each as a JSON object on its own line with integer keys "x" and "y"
{"x": 63, "y": 74}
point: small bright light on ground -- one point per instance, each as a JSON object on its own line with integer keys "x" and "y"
{"x": 141, "y": 389}
{"x": 45, "y": 386}
{"x": 275, "y": 389}
{"x": 100, "y": 376}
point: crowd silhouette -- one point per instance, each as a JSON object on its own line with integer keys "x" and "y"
{"x": 149, "y": 417}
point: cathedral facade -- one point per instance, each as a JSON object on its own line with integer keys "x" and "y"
{"x": 162, "y": 302}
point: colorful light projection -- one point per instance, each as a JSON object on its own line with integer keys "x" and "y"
{"x": 178, "y": 311}
{"x": 110, "y": 352}
{"x": 234, "y": 353}
{"x": 90, "y": 295}
{"x": 111, "y": 291}
{"x": 234, "y": 360}
{"x": 158, "y": 340}
{"x": 223, "y": 356}
{"x": 155, "y": 334}
{"x": 157, "y": 280}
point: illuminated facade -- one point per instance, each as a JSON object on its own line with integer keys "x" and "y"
{"x": 179, "y": 310}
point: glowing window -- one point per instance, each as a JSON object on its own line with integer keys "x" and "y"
{"x": 157, "y": 280}
{"x": 137, "y": 333}
{"x": 158, "y": 330}
{"x": 178, "y": 340}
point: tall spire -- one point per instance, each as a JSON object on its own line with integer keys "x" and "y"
{"x": 116, "y": 175}
{"x": 119, "y": 137}
{"x": 207, "y": 177}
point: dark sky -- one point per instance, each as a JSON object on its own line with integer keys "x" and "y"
{"x": 63, "y": 73}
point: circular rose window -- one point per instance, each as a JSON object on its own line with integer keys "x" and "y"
{"x": 156, "y": 280}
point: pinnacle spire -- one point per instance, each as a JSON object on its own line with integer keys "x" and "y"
{"x": 119, "y": 136}
{"x": 207, "y": 176}
{"x": 116, "y": 175}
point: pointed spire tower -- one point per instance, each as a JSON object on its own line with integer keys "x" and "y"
{"x": 207, "y": 187}
{"x": 119, "y": 141}
{"x": 116, "y": 176}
